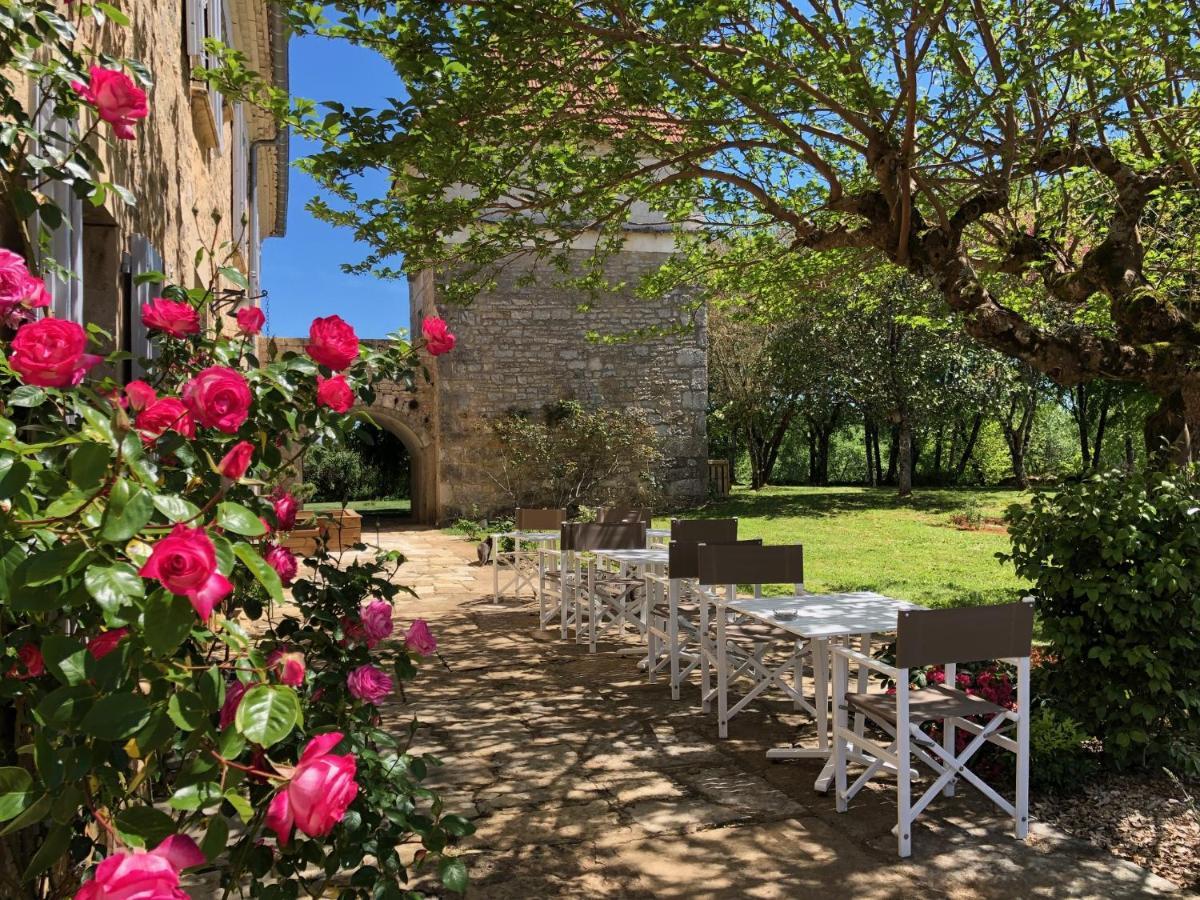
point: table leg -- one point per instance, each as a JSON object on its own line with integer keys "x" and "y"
{"x": 673, "y": 634}
{"x": 496, "y": 568}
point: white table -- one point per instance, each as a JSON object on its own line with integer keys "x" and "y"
{"x": 658, "y": 537}
{"x": 520, "y": 579}
{"x": 822, "y": 618}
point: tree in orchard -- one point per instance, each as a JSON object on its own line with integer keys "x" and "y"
{"x": 168, "y": 710}
{"x": 1047, "y": 143}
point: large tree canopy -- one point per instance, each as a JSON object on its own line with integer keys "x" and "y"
{"x": 1034, "y": 160}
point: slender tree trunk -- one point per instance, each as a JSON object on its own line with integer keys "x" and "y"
{"x": 1100, "y": 430}
{"x": 969, "y": 449}
{"x": 937, "y": 455}
{"x": 1130, "y": 454}
{"x": 868, "y": 428}
{"x": 1081, "y": 424}
{"x": 822, "y": 473}
{"x": 878, "y": 456}
{"x": 893, "y": 455}
{"x": 905, "y": 455}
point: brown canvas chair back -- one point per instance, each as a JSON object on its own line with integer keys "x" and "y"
{"x": 577, "y": 536}
{"x": 704, "y": 531}
{"x": 540, "y": 519}
{"x": 929, "y": 637}
{"x": 683, "y": 557}
{"x": 609, "y": 515}
{"x": 741, "y": 564}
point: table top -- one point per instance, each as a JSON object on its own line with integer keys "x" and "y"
{"x": 658, "y": 532}
{"x": 648, "y": 557}
{"x": 827, "y": 615}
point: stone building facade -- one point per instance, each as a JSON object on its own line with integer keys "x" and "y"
{"x": 203, "y": 171}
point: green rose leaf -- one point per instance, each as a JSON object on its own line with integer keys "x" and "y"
{"x": 453, "y": 874}
{"x": 176, "y": 509}
{"x": 186, "y": 710}
{"x": 144, "y": 826}
{"x": 113, "y": 587}
{"x": 88, "y": 464}
{"x": 166, "y": 622}
{"x": 268, "y": 713}
{"x": 196, "y": 796}
{"x": 65, "y": 658}
{"x": 216, "y": 836}
{"x": 116, "y": 716}
{"x": 261, "y": 570}
{"x": 15, "y": 783}
{"x": 129, "y": 509}
{"x": 54, "y": 847}
{"x": 27, "y": 395}
{"x": 240, "y": 520}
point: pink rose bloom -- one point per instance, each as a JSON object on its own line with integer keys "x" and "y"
{"x": 29, "y": 663}
{"x": 140, "y": 394}
{"x": 376, "y": 618}
{"x": 144, "y": 876}
{"x": 353, "y": 630}
{"x": 289, "y": 666}
{"x": 283, "y": 561}
{"x": 235, "y": 463}
{"x": 335, "y": 393}
{"x": 369, "y": 683}
{"x": 117, "y": 99}
{"x": 106, "y": 642}
{"x": 185, "y": 562}
{"x": 161, "y": 416}
{"x": 437, "y": 334}
{"x": 50, "y": 353}
{"x": 286, "y": 506}
{"x": 234, "y": 691}
{"x": 250, "y": 320}
{"x": 173, "y": 317}
{"x": 420, "y": 639}
{"x": 218, "y": 397}
{"x": 20, "y": 291}
{"x": 332, "y": 342}
{"x": 322, "y": 786}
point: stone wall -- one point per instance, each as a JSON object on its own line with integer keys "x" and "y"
{"x": 523, "y": 346}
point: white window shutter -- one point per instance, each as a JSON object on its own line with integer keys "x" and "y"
{"x": 240, "y": 226}
{"x": 195, "y": 25}
{"x": 143, "y": 258}
{"x": 217, "y": 20}
{"x": 66, "y": 241}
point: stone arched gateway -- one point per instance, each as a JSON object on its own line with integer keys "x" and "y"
{"x": 421, "y": 454}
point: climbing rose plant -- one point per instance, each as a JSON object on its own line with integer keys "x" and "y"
{"x": 170, "y": 712}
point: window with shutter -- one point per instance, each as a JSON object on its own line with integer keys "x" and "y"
{"x": 240, "y": 225}
{"x": 207, "y": 19}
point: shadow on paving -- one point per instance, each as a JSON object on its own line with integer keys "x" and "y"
{"x": 584, "y": 780}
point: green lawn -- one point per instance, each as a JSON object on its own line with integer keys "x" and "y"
{"x": 869, "y": 539}
{"x": 371, "y": 507}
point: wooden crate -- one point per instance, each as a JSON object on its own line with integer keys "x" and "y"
{"x": 340, "y": 527}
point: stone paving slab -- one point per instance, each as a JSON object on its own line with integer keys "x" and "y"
{"x": 583, "y": 780}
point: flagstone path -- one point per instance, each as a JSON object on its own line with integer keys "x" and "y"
{"x": 585, "y": 781}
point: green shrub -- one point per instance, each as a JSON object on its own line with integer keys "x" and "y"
{"x": 339, "y": 474}
{"x": 1115, "y": 561}
{"x": 1059, "y": 760}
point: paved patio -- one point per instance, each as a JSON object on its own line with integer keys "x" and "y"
{"x": 583, "y": 780}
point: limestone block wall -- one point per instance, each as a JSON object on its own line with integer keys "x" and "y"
{"x": 524, "y": 345}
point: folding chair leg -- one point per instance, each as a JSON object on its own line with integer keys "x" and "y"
{"x": 722, "y": 677}
{"x": 903, "y": 771}
{"x": 948, "y": 730}
{"x": 820, "y": 658}
{"x": 1022, "y": 793}
{"x": 673, "y": 634}
{"x": 705, "y": 658}
{"x": 798, "y": 677}
{"x": 840, "y": 721}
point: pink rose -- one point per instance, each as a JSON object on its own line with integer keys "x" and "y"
{"x": 322, "y": 786}
{"x": 161, "y": 416}
{"x": 140, "y": 394}
{"x": 335, "y": 393}
{"x": 420, "y": 639}
{"x": 288, "y": 666}
{"x": 250, "y": 320}
{"x": 286, "y": 506}
{"x": 332, "y": 342}
{"x": 234, "y": 691}
{"x": 29, "y": 663}
{"x": 144, "y": 876}
{"x": 173, "y": 317}
{"x": 438, "y": 338}
{"x": 353, "y": 631}
{"x": 369, "y": 683}
{"x": 376, "y": 618}
{"x": 20, "y": 291}
{"x": 234, "y": 464}
{"x": 218, "y": 397}
{"x": 283, "y": 561}
{"x": 100, "y": 645}
{"x": 185, "y": 562}
{"x": 50, "y": 353}
{"x": 117, "y": 99}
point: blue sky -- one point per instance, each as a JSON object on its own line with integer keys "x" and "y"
{"x": 301, "y": 272}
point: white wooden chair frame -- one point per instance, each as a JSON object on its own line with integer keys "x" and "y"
{"x": 910, "y": 743}
{"x": 668, "y": 637}
{"x": 604, "y": 611}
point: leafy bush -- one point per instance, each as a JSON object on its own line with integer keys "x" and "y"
{"x": 1115, "y": 561}
{"x": 571, "y": 455}
{"x": 340, "y": 474}
{"x": 969, "y": 516}
{"x": 1059, "y": 761}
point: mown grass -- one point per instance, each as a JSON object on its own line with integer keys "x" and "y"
{"x": 372, "y": 507}
{"x": 869, "y": 539}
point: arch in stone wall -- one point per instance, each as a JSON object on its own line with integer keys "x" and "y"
{"x": 422, "y": 460}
